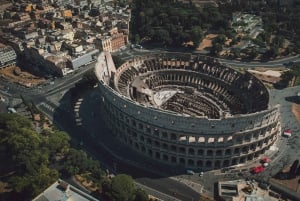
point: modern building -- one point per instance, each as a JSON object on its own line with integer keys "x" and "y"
{"x": 187, "y": 110}
{"x": 7, "y": 56}
{"x": 84, "y": 59}
{"x": 61, "y": 190}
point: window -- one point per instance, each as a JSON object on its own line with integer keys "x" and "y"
{"x": 164, "y": 135}
{"x": 148, "y": 130}
{"x": 201, "y": 139}
{"x": 156, "y": 132}
{"x": 211, "y": 140}
{"x": 141, "y": 126}
{"x": 133, "y": 122}
{"x": 173, "y": 136}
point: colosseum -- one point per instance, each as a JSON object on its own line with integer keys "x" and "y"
{"x": 187, "y": 110}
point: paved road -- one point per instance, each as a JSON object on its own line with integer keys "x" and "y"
{"x": 129, "y": 53}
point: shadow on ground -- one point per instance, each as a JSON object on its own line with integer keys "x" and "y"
{"x": 293, "y": 99}
{"x": 79, "y": 114}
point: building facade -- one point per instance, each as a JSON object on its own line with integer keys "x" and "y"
{"x": 187, "y": 110}
{"x": 7, "y": 56}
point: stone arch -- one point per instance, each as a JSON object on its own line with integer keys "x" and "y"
{"x": 208, "y": 164}
{"x": 191, "y": 162}
{"x": 200, "y": 152}
{"x": 165, "y": 146}
{"x": 242, "y": 160}
{"x": 191, "y": 151}
{"x": 219, "y": 152}
{"x": 228, "y": 152}
{"x": 237, "y": 150}
{"x": 150, "y": 153}
{"x": 173, "y": 159}
{"x": 182, "y": 150}
{"x": 136, "y": 145}
{"x": 157, "y": 155}
{"x": 234, "y": 161}
{"x": 173, "y": 148}
{"x": 210, "y": 152}
{"x": 226, "y": 163}
{"x": 199, "y": 163}
{"x": 217, "y": 164}
{"x": 165, "y": 157}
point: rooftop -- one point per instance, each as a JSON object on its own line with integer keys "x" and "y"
{"x": 62, "y": 191}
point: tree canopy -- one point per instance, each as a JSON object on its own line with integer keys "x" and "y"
{"x": 122, "y": 187}
{"x": 173, "y": 23}
{"x": 30, "y": 153}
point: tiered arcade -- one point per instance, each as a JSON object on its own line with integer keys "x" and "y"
{"x": 187, "y": 110}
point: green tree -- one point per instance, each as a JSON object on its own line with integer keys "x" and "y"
{"x": 77, "y": 162}
{"x": 33, "y": 184}
{"x": 196, "y": 35}
{"x": 141, "y": 195}
{"x": 216, "y": 48}
{"x": 122, "y": 187}
{"x": 57, "y": 142}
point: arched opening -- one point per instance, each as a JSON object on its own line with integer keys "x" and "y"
{"x": 182, "y": 150}
{"x": 228, "y": 152}
{"x": 208, "y": 164}
{"x": 173, "y": 148}
{"x": 200, "y": 163}
{"x": 200, "y": 152}
{"x": 165, "y": 157}
{"x": 253, "y": 147}
{"x": 165, "y": 146}
{"x": 245, "y": 150}
{"x": 209, "y": 153}
{"x": 150, "y": 152}
{"x": 234, "y": 161}
{"x": 182, "y": 161}
{"x": 219, "y": 153}
{"x": 157, "y": 155}
{"x": 217, "y": 164}
{"x": 191, "y": 151}
{"x": 173, "y": 159}
{"x": 226, "y": 163}
{"x": 191, "y": 162}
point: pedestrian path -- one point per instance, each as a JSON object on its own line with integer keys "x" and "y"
{"x": 195, "y": 186}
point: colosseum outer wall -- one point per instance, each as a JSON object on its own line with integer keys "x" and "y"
{"x": 192, "y": 142}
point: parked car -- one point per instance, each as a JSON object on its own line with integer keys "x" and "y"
{"x": 190, "y": 172}
{"x": 258, "y": 169}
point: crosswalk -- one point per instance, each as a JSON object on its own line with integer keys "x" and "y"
{"x": 77, "y": 105}
{"x": 47, "y": 106}
{"x": 51, "y": 107}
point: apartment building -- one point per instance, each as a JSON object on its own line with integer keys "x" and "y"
{"x": 7, "y": 56}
